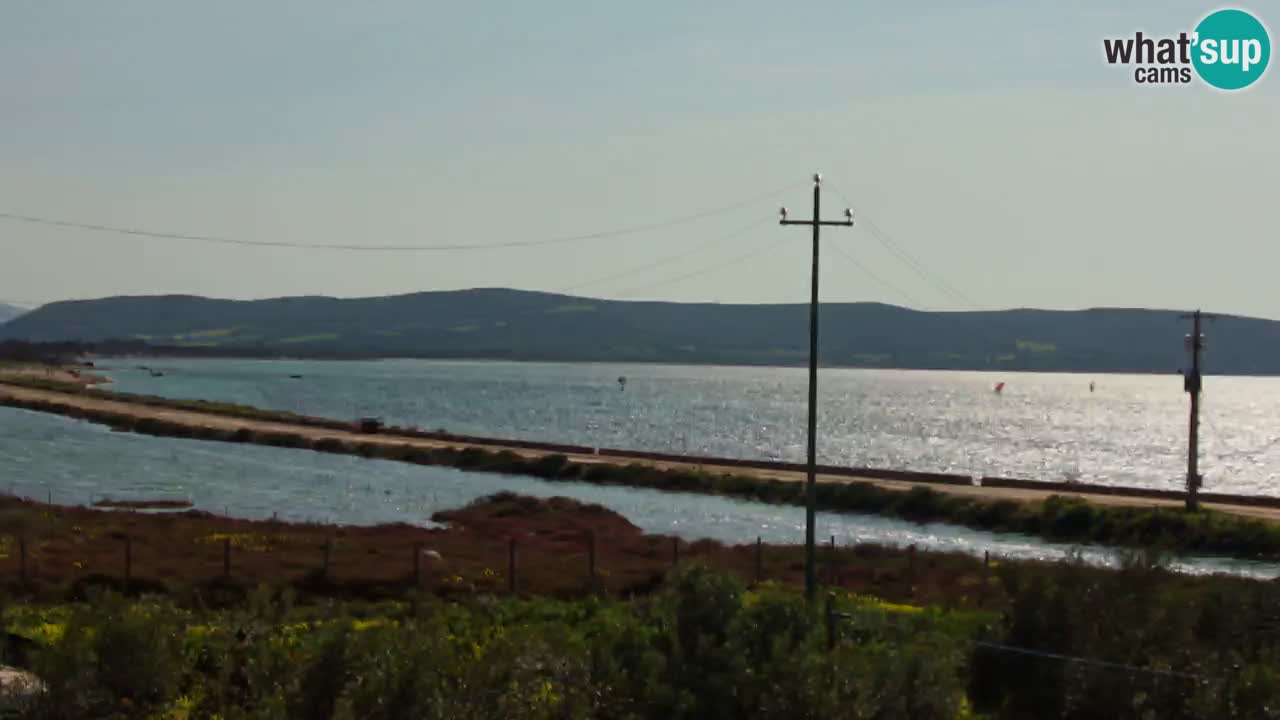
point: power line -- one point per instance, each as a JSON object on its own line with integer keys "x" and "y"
{"x": 998, "y": 647}
{"x": 667, "y": 260}
{"x": 703, "y": 271}
{"x": 220, "y": 240}
{"x": 936, "y": 281}
{"x": 877, "y": 279}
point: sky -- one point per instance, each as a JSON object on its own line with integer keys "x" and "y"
{"x": 986, "y": 141}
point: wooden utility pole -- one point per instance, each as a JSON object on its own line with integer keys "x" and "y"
{"x": 811, "y": 484}
{"x": 1192, "y": 383}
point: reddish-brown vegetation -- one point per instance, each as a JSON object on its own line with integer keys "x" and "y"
{"x": 143, "y": 504}
{"x": 183, "y": 554}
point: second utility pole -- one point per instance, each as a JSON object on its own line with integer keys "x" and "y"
{"x": 1193, "y": 383}
{"x": 811, "y": 484}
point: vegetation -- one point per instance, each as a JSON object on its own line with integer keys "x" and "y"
{"x": 55, "y": 553}
{"x": 1059, "y": 518}
{"x": 511, "y": 324}
{"x": 1071, "y": 642}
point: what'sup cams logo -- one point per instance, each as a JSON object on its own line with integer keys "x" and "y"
{"x": 1228, "y": 50}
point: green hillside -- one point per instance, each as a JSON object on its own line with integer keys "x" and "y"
{"x": 499, "y": 323}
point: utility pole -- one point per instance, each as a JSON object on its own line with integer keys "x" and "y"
{"x": 1192, "y": 383}
{"x": 811, "y": 484}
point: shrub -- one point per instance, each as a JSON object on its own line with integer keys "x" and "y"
{"x": 113, "y": 651}
{"x": 548, "y": 466}
{"x": 330, "y": 445}
{"x": 283, "y": 439}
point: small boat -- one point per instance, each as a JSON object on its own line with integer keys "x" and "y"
{"x": 295, "y": 377}
{"x": 622, "y": 383}
{"x": 156, "y": 373}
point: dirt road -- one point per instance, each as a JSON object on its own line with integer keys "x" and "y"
{"x": 103, "y": 403}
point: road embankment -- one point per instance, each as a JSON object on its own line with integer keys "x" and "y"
{"x": 1240, "y": 527}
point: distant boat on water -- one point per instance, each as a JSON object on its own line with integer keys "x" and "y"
{"x": 622, "y": 383}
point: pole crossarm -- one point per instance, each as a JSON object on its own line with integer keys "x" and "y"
{"x": 811, "y": 487}
{"x": 833, "y": 223}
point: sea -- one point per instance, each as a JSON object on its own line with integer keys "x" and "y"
{"x": 1127, "y": 430}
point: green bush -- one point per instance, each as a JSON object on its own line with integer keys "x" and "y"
{"x": 113, "y": 655}
{"x": 330, "y": 445}
{"x": 282, "y": 439}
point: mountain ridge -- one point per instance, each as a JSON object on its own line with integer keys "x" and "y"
{"x": 8, "y": 312}
{"x": 500, "y": 323}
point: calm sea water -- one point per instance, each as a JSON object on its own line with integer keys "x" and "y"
{"x": 1131, "y": 430}
{"x": 73, "y": 462}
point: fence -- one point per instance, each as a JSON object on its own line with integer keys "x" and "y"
{"x": 169, "y": 554}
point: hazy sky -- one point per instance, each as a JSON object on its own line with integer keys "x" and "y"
{"x": 988, "y": 139}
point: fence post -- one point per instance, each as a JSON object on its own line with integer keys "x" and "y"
{"x": 591, "y": 559}
{"x": 986, "y": 573}
{"x": 911, "y": 563}
{"x": 512, "y": 584}
{"x": 759, "y": 560}
{"x": 22, "y": 556}
{"x": 834, "y": 579}
{"x": 226, "y": 558}
{"x": 417, "y": 565}
{"x": 128, "y": 559}
{"x": 675, "y": 551}
{"x": 830, "y": 615}
{"x": 328, "y": 548}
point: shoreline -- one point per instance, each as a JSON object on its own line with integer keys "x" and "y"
{"x": 1246, "y": 531}
{"x": 61, "y": 374}
{"x": 178, "y": 354}
{"x": 800, "y": 365}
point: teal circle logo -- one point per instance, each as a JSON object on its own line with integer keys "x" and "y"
{"x": 1231, "y": 49}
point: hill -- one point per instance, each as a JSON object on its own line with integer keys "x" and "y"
{"x": 8, "y": 312}
{"x": 513, "y": 324}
